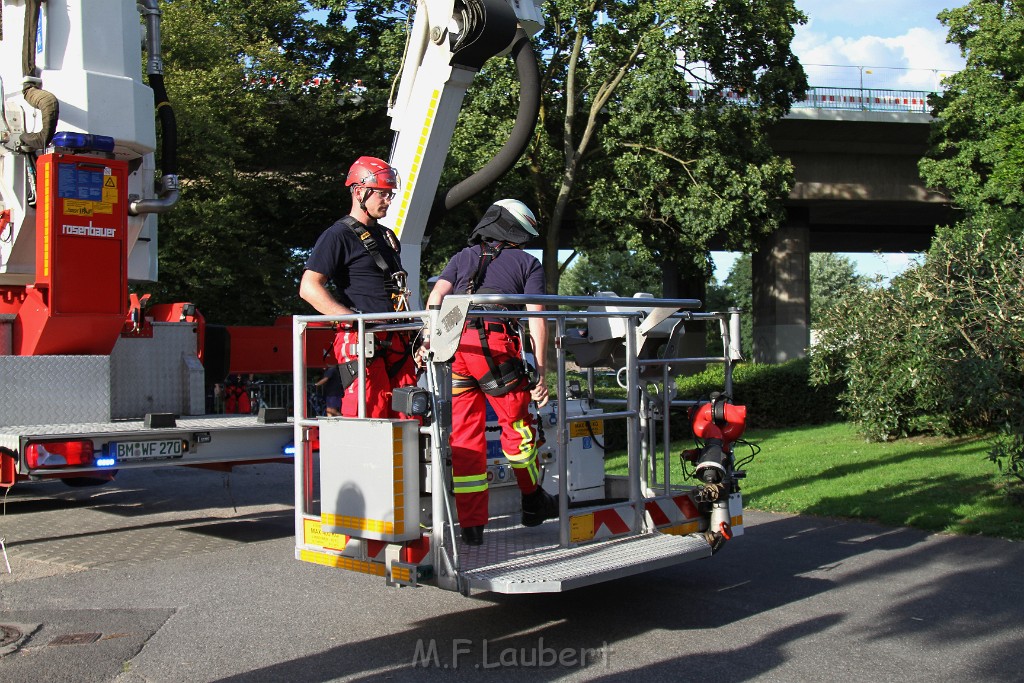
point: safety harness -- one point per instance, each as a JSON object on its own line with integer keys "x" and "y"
{"x": 395, "y": 286}
{"x": 510, "y": 374}
{"x": 397, "y": 279}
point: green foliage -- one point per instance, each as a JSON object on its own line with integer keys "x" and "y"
{"x": 977, "y": 155}
{"x": 622, "y": 272}
{"x": 735, "y": 292}
{"x": 1007, "y": 452}
{"x": 262, "y": 150}
{"x": 775, "y": 395}
{"x": 833, "y": 278}
{"x": 870, "y": 345}
{"x": 622, "y": 150}
{"x": 941, "y": 349}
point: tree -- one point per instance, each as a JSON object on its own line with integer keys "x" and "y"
{"x": 833, "y": 278}
{"x": 624, "y": 273}
{"x": 977, "y": 156}
{"x": 640, "y": 131}
{"x": 652, "y": 125}
{"x": 267, "y": 124}
{"x": 941, "y": 348}
{"x": 735, "y": 292}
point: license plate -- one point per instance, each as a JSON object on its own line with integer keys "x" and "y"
{"x": 148, "y": 450}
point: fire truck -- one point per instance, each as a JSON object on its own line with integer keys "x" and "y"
{"x": 95, "y": 379}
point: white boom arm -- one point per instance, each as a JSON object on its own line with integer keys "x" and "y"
{"x": 450, "y": 41}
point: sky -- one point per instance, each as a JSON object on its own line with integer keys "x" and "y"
{"x": 899, "y": 44}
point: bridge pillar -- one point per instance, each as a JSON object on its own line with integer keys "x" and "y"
{"x": 782, "y": 295}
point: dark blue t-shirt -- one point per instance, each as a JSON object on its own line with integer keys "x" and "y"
{"x": 361, "y": 284}
{"x": 513, "y": 271}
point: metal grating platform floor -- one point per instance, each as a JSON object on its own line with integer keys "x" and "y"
{"x": 516, "y": 559}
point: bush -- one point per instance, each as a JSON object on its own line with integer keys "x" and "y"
{"x": 871, "y": 345}
{"x": 940, "y": 351}
{"x": 1007, "y": 452}
{"x": 775, "y": 395}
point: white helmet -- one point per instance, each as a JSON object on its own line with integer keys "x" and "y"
{"x": 521, "y": 212}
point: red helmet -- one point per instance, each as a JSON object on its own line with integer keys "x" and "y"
{"x": 373, "y": 173}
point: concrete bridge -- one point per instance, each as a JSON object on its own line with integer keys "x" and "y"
{"x": 857, "y": 189}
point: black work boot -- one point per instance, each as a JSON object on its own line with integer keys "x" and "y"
{"x": 539, "y": 506}
{"x": 473, "y": 535}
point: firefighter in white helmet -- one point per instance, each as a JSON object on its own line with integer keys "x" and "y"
{"x": 489, "y": 366}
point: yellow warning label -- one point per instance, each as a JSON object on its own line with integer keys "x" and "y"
{"x": 77, "y": 207}
{"x": 580, "y": 428}
{"x": 681, "y": 529}
{"x": 581, "y": 528}
{"x": 329, "y": 560}
{"x": 110, "y": 195}
{"x": 361, "y": 523}
{"x": 103, "y": 207}
{"x": 314, "y": 535}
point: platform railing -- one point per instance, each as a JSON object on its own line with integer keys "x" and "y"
{"x": 632, "y": 311}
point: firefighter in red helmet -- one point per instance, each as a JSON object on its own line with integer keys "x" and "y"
{"x": 363, "y": 259}
{"x": 488, "y": 365}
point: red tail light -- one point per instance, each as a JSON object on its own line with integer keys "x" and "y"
{"x": 59, "y": 454}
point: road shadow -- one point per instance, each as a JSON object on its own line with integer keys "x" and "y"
{"x": 782, "y": 561}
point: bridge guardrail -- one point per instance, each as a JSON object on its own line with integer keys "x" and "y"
{"x": 847, "y": 99}
{"x": 864, "y": 99}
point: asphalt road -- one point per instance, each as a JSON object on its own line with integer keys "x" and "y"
{"x": 186, "y": 575}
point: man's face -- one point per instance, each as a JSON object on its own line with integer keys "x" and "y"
{"x": 377, "y": 201}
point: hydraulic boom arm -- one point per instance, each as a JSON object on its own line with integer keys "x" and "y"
{"x": 449, "y": 43}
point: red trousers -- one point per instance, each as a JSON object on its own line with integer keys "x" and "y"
{"x": 468, "y": 440}
{"x": 391, "y": 367}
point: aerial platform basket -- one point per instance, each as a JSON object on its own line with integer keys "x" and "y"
{"x": 374, "y": 496}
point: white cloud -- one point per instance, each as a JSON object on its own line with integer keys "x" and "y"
{"x": 915, "y": 60}
{"x": 926, "y": 48}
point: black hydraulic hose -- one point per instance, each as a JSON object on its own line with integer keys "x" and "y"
{"x": 522, "y": 130}
{"x": 168, "y": 187}
{"x": 168, "y": 126}
{"x": 150, "y": 12}
{"x": 526, "y": 119}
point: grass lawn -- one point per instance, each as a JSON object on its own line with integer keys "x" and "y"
{"x": 936, "y": 484}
